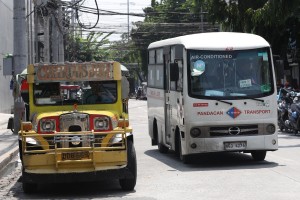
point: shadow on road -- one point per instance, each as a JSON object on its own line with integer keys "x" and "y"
{"x": 83, "y": 190}
{"x": 211, "y": 161}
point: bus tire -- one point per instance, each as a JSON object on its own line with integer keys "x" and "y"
{"x": 154, "y": 134}
{"x": 259, "y": 155}
{"x": 177, "y": 144}
{"x": 184, "y": 158}
{"x": 29, "y": 188}
{"x": 128, "y": 184}
{"x": 162, "y": 148}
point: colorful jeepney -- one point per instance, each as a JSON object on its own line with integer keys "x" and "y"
{"x": 78, "y": 127}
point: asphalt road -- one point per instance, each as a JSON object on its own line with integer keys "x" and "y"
{"x": 164, "y": 176}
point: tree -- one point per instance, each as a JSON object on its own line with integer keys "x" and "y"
{"x": 87, "y": 49}
{"x": 167, "y": 19}
{"x": 272, "y": 19}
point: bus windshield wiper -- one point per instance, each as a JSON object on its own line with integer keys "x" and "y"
{"x": 229, "y": 103}
{"x": 260, "y": 100}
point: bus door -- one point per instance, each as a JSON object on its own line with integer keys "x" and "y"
{"x": 168, "y": 106}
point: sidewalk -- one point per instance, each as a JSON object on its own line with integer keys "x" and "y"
{"x": 8, "y": 144}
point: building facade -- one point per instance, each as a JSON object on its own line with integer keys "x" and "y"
{"x": 6, "y": 47}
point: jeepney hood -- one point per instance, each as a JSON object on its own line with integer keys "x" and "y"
{"x": 90, "y": 112}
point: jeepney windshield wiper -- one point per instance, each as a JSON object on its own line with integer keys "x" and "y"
{"x": 227, "y": 102}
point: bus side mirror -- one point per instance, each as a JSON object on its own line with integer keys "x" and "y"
{"x": 174, "y": 72}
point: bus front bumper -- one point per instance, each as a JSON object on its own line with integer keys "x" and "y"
{"x": 232, "y": 144}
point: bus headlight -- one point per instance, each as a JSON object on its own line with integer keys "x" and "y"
{"x": 270, "y": 128}
{"x": 195, "y": 132}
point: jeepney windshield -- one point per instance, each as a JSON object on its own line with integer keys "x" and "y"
{"x": 230, "y": 74}
{"x": 67, "y": 93}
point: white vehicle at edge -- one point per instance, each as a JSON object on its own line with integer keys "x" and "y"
{"x": 212, "y": 92}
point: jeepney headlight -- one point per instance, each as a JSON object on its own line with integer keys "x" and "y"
{"x": 48, "y": 125}
{"x": 31, "y": 141}
{"x": 101, "y": 123}
{"x": 32, "y": 144}
{"x": 116, "y": 140}
{"x": 271, "y": 128}
{"x": 195, "y": 132}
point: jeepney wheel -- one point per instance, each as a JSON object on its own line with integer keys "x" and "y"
{"x": 29, "y": 188}
{"x": 258, "y": 155}
{"x": 128, "y": 184}
{"x": 20, "y": 151}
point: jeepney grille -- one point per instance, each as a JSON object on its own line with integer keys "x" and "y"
{"x": 242, "y": 130}
{"x": 74, "y": 122}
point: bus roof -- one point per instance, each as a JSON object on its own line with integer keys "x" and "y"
{"x": 215, "y": 41}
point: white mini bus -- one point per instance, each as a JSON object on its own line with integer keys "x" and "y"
{"x": 212, "y": 92}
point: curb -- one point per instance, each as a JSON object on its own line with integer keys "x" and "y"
{"x": 7, "y": 158}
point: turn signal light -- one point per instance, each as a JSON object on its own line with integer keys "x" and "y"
{"x": 26, "y": 126}
{"x": 123, "y": 123}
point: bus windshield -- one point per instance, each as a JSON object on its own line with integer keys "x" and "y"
{"x": 83, "y": 93}
{"x": 230, "y": 74}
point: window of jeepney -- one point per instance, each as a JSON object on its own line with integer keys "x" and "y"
{"x": 82, "y": 93}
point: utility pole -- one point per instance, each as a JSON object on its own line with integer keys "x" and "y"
{"x": 20, "y": 59}
{"x": 128, "y": 18}
{"x": 46, "y": 39}
{"x": 202, "y": 29}
{"x": 61, "y": 52}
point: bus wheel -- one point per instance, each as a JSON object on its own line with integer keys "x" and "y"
{"x": 184, "y": 158}
{"x": 162, "y": 148}
{"x": 128, "y": 184}
{"x": 259, "y": 155}
{"x": 29, "y": 188}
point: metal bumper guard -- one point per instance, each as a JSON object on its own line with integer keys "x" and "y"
{"x": 74, "y": 152}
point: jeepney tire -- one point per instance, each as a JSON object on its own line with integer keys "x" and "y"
{"x": 259, "y": 155}
{"x": 128, "y": 184}
{"x": 20, "y": 151}
{"x": 29, "y": 188}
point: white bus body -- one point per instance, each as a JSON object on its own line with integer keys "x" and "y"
{"x": 212, "y": 92}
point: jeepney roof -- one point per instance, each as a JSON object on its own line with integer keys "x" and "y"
{"x": 88, "y": 71}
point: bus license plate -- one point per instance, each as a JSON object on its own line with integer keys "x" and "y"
{"x": 77, "y": 155}
{"x": 235, "y": 145}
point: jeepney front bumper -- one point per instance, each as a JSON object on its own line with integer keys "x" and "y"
{"x": 73, "y": 152}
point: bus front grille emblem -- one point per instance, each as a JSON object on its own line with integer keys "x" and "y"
{"x": 234, "y": 130}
